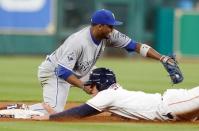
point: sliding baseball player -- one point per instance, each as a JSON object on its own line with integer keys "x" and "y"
{"x": 108, "y": 95}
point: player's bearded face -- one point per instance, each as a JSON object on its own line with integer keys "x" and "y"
{"x": 105, "y": 30}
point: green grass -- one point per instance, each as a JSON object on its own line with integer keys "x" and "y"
{"x": 18, "y": 82}
{"x": 18, "y": 77}
{"x": 61, "y": 126}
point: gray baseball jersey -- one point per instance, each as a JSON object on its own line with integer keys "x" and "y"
{"x": 79, "y": 54}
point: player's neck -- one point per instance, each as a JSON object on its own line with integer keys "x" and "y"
{"x": 97, "y": 42}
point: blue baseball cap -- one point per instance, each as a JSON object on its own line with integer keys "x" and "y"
{"x": 105, "y": 17}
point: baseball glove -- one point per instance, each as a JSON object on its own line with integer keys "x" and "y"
{"x": 171, "y": 65}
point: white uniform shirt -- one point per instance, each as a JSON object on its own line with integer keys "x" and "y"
{"x": 135, "y": 105}
{"x": 79, "y": 53}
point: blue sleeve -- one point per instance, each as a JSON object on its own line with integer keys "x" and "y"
{"x": 62, "y": 72}
{"x": 76, "y": 112}
{"x": 131, "y": 46}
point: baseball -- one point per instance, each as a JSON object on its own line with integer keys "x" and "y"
{"x": 177, "y": 76}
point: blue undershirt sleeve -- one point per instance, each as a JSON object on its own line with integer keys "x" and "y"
{"x": 83, "y": 110}
{"x": 131, "y": 46}
{"x": 62, "y": 72}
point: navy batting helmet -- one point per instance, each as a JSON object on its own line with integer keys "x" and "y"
{"x": 103, "y": 78}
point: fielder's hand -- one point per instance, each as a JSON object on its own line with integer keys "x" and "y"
{"x": 172, "y": 68}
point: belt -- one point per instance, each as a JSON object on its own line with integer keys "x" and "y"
{"x": 169, "y": 115}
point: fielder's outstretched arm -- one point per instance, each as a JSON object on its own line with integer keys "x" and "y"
{"x": 169, "y": 63}
{"x": 147, "y": 51}
{"x": 143, "y": 49}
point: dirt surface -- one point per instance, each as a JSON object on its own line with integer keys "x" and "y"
{"x": 103, "y": 117}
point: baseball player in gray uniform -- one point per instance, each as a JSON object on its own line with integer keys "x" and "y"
{"x": 108, "y": 95}
{"x": 76, "y": 57}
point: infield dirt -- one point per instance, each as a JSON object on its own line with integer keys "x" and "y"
{"x": 102, "y": 117}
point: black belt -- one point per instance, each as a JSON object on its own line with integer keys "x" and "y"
{"x": 169, "y": 115}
